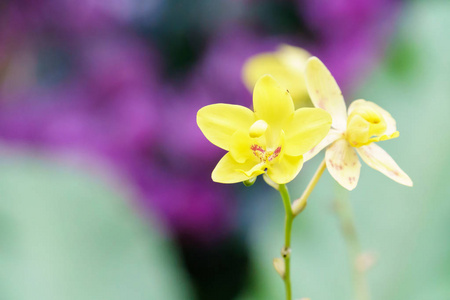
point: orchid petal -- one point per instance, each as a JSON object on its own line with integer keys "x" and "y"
{"x": 377, "y": 158}
{"x": 285, "y": 169}
{"x": 219, "y": 122}
{"x": 332, "y": 136}
{"x": 325, "y": 92}
{"x": 240, "y": 146}
{"x": 305, "y": 129}
{"x": 229, "y": 170}
{"x": 343, "y": 164}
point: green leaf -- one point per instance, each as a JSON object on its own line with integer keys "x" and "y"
{"x": 66, "y": 234}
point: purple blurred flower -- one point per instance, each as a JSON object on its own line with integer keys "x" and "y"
{"x": 337, "y": 19}
{"x": 114, "y": 109}
{"x": 107, "y": 99}
{"x": 351, "y": 35}
{"x": 78, "y": 18}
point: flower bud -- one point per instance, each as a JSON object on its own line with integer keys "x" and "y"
{"x": 278, "y": 264}
{"x": 250, "y": 181}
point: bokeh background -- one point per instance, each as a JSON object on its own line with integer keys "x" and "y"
{"x": 105, "y": 189}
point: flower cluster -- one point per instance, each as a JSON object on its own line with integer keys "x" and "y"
{"x": 275, "y": 139}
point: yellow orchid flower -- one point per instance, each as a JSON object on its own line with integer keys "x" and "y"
{"x": 270, "y": 140}
{"x": 287, "y": 65}
{"x": 352, "y": 132}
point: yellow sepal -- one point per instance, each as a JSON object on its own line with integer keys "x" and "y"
{"x": 272, "y": 103}
{"x": 377, "y": 158}
{"x": 325, "y": 92}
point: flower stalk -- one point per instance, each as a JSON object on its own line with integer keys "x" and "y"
{"x": 286, "y": 250}
{"x": 299, "y": 205}
{"x": 347, "y": 222}
{"x": 293, "y": 210}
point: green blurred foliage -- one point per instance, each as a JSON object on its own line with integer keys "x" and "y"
{"x": 406, "y": 228}
{"x": 66, "y": 234}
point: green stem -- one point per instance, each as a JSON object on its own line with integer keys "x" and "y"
{"x": 291, "y": 212}
{"x": 346, "y": 219}
{"x": 286, "y": 251}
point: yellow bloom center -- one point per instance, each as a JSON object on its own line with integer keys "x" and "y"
{"x": 265, "y": 155}
{"x": 363, "y": 124}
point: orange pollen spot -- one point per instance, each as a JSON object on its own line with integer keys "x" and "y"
{"x": 263, "y": 155}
